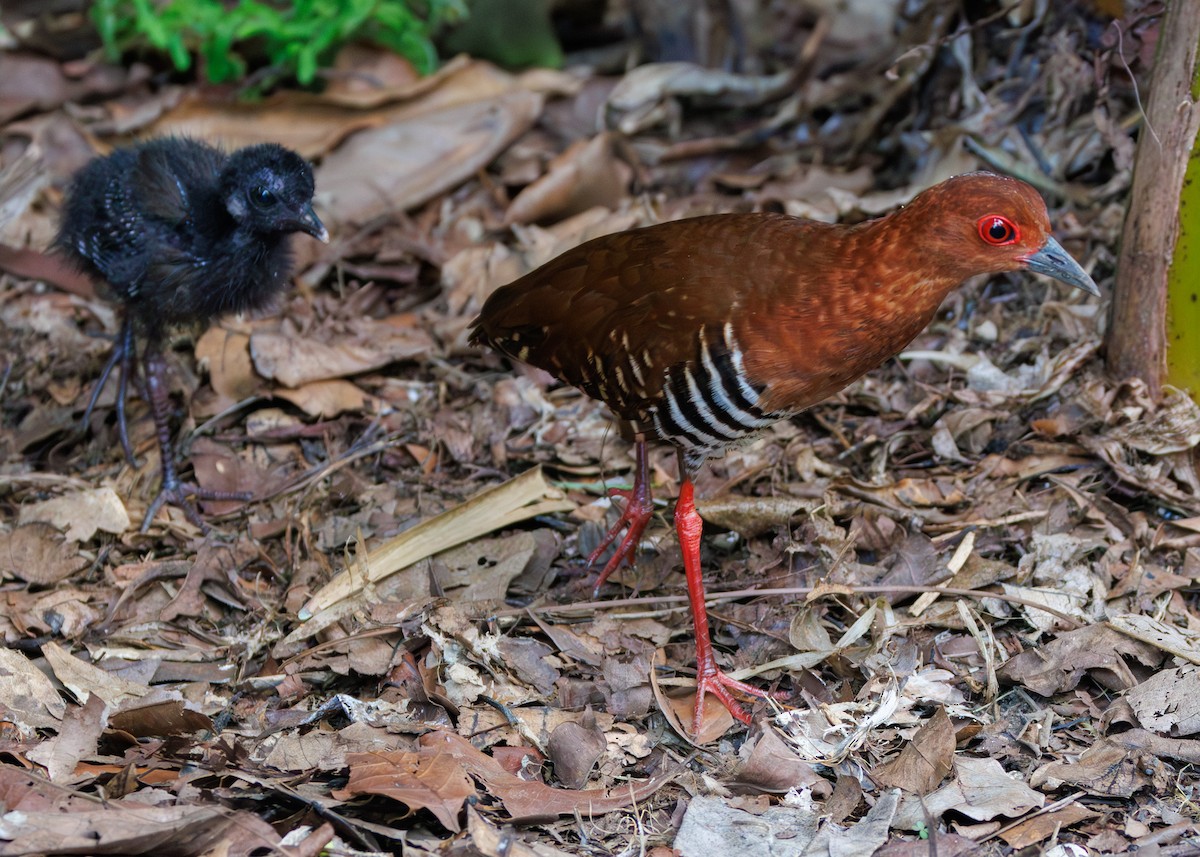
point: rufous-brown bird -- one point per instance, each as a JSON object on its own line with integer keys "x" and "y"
{"x": 702, "y": 332}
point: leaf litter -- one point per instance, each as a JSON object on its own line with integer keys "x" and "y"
{"x": 971, "y": 573}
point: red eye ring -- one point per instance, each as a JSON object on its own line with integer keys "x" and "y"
{"x": 998, "y": 230}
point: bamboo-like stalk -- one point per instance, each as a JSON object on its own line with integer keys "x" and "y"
{"x": 1137, "y": 334}
{"x": 1183, "y": 281}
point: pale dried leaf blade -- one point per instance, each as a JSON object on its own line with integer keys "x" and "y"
{"x": 496, "y": 842}
{"x": 83, "y": 679}
{"x": 518, "y": 499}
{"x": 27, "y": 696}
{"x": 1169, "y": 701}
{"x": 408, "y": 162}
{"x": 713, "y": 825}
{"x": 77, "y": 739}
{"x": 81, "y": 513}
{"x": 1159, "y": 634}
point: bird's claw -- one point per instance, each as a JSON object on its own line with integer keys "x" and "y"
{"x": 634, "y": 518}
{"x": 712, "y": 680}
{"x": 183, "y": 495}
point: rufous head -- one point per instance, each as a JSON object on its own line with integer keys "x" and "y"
{"x": 983, "y": 223}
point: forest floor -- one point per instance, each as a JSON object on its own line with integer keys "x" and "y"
{"x": 973, "y": 574}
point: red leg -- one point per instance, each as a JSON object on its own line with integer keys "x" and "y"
{"x": 173, "y": 491}
{"x": 709, "y": 678}
{"x": 636, "y": 515}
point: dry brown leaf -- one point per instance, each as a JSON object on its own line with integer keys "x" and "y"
{"x": 642, "y": 98}
{"x": 39, "y": 553}
{"x": 923, "y": 762}
{"x": 226, "y": 355}
{"x": 83, "y": 679}
{"x": 418, "y": 779}
{"x": 679, "y": 709}
{"x": 575, "y": 748}
{"x": 27, "y": 696}
{"x": 522, "y": 497}
{"x": 77, "y": 738}
{"x": 981, "y": 789}
{"x": 436, "y": 777}
{"x": 294, "y": 360}
{"x": 313, "y": 124}
{"x": 406, "y": 162}
{"x": 1061, "y": 663}
{"x": 159, "y": 718}
{"x": 120, "y": 827}
{"x": 483, "y": 569}
{"x": 219, "y": 468}
{"x": 1161, "y": 635}
{"x": 328, "y": 399}
{"x": 1108, "y": 767}
{"x": 1044, "y": 825}
{"x": 80, "y": 513}
{"x": 769, "y": 764}
{"x": 1169, "y": 701}
{"x": 586, "y": 175}
{"x": 753, "y": 516}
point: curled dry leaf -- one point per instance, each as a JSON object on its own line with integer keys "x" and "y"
{"x": 83, "y": 679}
{"x": 753, "y": 516}
{"x": 1060, "y": 664}
{"x": 226, "y": 355}
{"x": 575, "y": 749}
{"x": 770, "y": 765}
{"x": 633, "y": 104}
{"x": 981, "y": 789}
{"x": 407, "y": 162}
{"x": 77, "y": 738}
{"x": 587, "y": 174}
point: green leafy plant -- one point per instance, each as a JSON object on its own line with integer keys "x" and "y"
{"x": 294, "y": 39}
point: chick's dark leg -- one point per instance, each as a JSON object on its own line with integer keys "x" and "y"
{"x": 709, "y": 678}
{"x": 122, "y": 356}
{"x": 636, "y": 515}
{"x": 173, "y": 491}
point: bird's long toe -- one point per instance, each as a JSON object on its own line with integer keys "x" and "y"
{"x": 713, "y": 681}
{"x": 184, "y": 495}
{"x": 633, "y": 521}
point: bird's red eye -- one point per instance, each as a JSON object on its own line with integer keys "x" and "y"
{"x": 998, "y": 230}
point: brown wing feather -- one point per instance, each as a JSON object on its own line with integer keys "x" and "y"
{"x": 585, "y": 315}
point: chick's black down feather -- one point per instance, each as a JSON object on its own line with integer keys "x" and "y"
{"x": 182, "y": 232}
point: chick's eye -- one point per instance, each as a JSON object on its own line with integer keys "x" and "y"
{"x": 998, "y": 230}
{"x": 262, "y": 197}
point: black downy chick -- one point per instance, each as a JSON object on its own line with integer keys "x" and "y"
{"x": 182, "y": 233}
